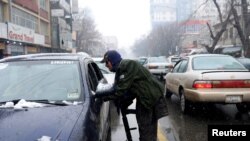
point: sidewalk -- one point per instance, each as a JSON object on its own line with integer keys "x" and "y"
{"x": 118, "y": 131}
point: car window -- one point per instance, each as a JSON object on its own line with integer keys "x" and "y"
{"x": 102, "y": 67}
{"x": 245, "y": 62}
{"x": 216, "y": 63}
{"x": 183, "y": 66}
{"x": 35, "y": 80}
{"x": 92, "y": 77}
{"x": 177, "y": 66}
{"x": 142, "y": 61}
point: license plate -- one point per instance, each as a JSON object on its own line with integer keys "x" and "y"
{"x": 233, "y": 99}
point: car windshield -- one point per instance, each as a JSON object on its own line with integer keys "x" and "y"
{"x": 216, "y": 63}
{"x": 35, "y": 80}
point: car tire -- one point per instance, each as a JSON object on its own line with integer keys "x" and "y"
{"x": 243, "y": 107}
{"x": 184, "y": 103}
{"x": 168, "y": 94}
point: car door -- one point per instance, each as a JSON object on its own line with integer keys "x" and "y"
{"x": 101, "y": 109}
{"x": 170, "y": 78}
{"x": 181, "y": 77}
{"x": 177, "y": 76}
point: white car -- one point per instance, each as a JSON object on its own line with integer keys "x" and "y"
{"x": 209, "y": 78}
{"x": 158, "y": 66}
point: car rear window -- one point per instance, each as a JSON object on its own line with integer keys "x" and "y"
{"x": 158, "y": 60}
{"x": 35, "y": 80}
{"x": 216, "y": 63}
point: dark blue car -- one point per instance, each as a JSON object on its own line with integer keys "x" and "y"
{"x": 51, "y": 97}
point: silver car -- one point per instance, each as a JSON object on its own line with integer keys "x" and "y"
{"x": 209, "y": 78}
{"x": 158, "y": 66}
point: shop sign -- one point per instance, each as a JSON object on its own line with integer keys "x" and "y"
{"x": 21, "y": 34}
{"x": 57, "y": 12}
{"x": 39, "y": 39}
{"x": 3, "y": 30}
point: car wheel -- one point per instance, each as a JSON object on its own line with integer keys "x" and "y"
{"x": 242, "y": 107}
{"x": 168, "y": 94}
{"x": 184, "y": 103}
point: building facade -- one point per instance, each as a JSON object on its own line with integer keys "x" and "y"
{"x": 61, "y": 23}
{"x": 162, "y": 12}
{"x": 24, "y": 27}
{"x": 184, "y": 10}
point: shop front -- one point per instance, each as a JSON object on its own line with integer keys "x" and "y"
{"x": 23, "y": 40}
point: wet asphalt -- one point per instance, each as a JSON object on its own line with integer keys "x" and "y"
{"x": 165, "y": 132}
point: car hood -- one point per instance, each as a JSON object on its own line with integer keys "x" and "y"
{"x": 56, "y": 122}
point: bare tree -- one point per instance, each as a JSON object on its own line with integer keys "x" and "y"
{"x": 162, "y": 41}
{"x": 88, "y": 37}
{"x": 216, "y": 35}
{"x": 243, "y": 30}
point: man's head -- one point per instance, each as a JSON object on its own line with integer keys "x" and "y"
{"x": 112, "y": 59}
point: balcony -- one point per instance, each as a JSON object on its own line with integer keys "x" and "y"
{"x": 44, "y": 14}
{"x": 28, "y": 4}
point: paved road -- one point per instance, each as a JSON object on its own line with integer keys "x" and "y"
{"x": 118, "y": 132}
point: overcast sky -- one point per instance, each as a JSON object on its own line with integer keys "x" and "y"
{"x": 126, "y": 19}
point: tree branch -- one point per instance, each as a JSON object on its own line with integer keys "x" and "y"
{"x": 218, "y": 9}
{"x": 210, "y": 30}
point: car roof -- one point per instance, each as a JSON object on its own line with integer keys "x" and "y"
{"x": 196, "y": 55}
{"x": 45, "y": 56}
{"x": 97, "y": 59}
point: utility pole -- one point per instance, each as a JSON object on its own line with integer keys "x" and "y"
{"x": 10, "y": 10}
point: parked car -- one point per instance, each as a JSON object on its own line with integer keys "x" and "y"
{"x": 110, "y": 76}
{"x": 158, "y": 66}
{"x": 245, "y": 62}
{"x": 51, "y": 97}
{"x": 209, "y": 78}
{"x": 233, "y": 50}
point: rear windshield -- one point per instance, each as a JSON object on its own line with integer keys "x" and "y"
{"x": 36, "y": 80}
{"x": 157, "y": 60}
{"x": 216, "y": 63}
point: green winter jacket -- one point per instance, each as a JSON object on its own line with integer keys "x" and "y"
{"x": 133, "y": 77}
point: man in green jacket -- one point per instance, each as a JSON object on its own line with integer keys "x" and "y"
{"x": 134, "y": 79}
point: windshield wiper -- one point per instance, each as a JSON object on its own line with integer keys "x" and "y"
{"x": 43, "y": 101}
{"x": 46, "y": 101}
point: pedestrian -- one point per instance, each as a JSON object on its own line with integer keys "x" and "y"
{"x": 132, "y": 78}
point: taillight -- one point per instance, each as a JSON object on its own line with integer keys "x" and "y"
{"x": 232, "y": 84}
{"x": 169, "y": 66}
{"x": 222, "y": 84}
{"x": 152, "y": 67}
{"x": 202, "y": 84}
